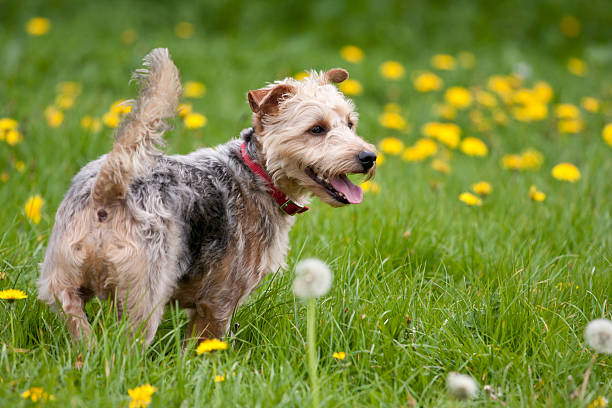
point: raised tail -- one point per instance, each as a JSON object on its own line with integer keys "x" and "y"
{"x": 139, "y": 137}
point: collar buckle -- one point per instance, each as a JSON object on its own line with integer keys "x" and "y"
{"x": 291, "y": 208}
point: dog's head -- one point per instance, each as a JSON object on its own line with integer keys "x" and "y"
{"x": 307, "y": 134}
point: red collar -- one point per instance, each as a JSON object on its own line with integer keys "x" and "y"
{"x": 285, "y": 203}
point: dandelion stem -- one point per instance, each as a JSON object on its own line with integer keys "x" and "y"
{"x": 12, "y": 330}
{"x": 311, "y": 316}
{"x": 587, "y": 375}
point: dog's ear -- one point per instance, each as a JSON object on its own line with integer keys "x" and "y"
{"x": 336, "y": 75}
{"x": 266, "y": 100}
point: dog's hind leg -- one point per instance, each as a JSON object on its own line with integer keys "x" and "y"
{"x": 73, "y": 306}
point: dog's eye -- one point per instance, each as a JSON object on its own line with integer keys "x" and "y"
{"x": 350, "y": 124}
{"x": 317, "y": 130}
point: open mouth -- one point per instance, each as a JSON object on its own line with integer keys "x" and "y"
{"x": 340, "y": 188}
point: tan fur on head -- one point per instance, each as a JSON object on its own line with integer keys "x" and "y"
{"x": 287, "y": 146}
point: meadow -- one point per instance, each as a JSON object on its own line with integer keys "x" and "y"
{"x": 473, "y": 250}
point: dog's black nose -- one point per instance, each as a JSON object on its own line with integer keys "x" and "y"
{"x": 367, "y": 159}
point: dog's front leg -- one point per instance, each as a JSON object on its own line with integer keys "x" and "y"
{"x": 208, "y": 321}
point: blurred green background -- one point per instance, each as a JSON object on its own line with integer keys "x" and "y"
{"x": 425, "y": 284}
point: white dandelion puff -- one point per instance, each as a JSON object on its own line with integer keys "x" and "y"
{"x": 598, "y": 335}
{"x": 313, "y": 279}
{"x": 461, "y": 386}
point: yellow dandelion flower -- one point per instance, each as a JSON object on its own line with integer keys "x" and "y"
{"x": 184, "y": 109}
{"x": 599, "y": 402}
{"x": 543, "y": 91}
{"x": 511, "y": 161}
{"x": 370, "y": 186}
{"x": 576, "y": 66}
{"x": 566, "y": 172}
{"x": 443, "y": 62}
{"x": 64, "y": 102}
{"x": 195, "y": 120}
{"x": 530, "y": 159}
{"x": 536, "y": 195}
{"x": 8, "y": 124}
{"x": 570, "y": 126}
{"x": 211, "y": 345}
{"x": 530, "y": 112}
{"x": 447, "y": 133}
{"x": 392, "y": 120}
{"x": 111, "y": 119}
{"x": 69, "y": 88}
{"x": 301, "y": 75}
{"x": 466, "y": 59}
{"x": 4, "y": 177}
{"x": 380, "y": 159}
{"x": 351, "y": 87}
{"x": 473, "y": 146}
{"x": 36, "y": 394}
{"x": 352, "y": 54}
{"x": 13, "y": 137}
{"x": 184, "y": 30}
{"x": 500, "y": 85}
{"x": 54, "y": 116}
{"x": 129, "y": 36}
{"x": 427, "y": 146}
{"x": 476, "y": 117}
{"x": 413, "y": 153}
{"x": 470, "y": 199}
{"x": 20, "y": 166}
{"x": 482, "y": 188}
{"x": 32, "y": 208}
{"x": 121, "y": 107}
{"x": 441, "y": 166}
{"x": 391, "y": 145}
{"x": 570, "y": 26}
{"x": 445, "y": 111}
{"x": 392, "y": 70}
{"x": 194, "y": 89}
{"x": 219, "y": 378}
{"x": 500, "y": 117}
{"x": 486, "y": 99}
{"x": 458, "y": 96}
{"x": 38, "y": 26}
{"x": 86, "y": 122}
{"x": 590, "y": 104}
{"x": 606, "y": 134}
{"x": 392, "y": 107}
{"x": 12, "y": 294}
{"x": 141, "y": 396}
{"x": 341, "y": 355}
{"x": 567, "y": 111}
{"x": 427, "y": 82}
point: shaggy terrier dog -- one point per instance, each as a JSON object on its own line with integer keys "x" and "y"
{"x": 204, "y": 229}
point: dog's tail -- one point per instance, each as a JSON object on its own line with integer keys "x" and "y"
{"x": 139, "y": 137}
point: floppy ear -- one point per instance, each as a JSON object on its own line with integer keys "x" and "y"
{"x": 266, "y": 100}
{"x": 336, "y": 75}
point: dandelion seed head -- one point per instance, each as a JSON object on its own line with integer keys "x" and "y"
{"x": 313, "y": 279}
{"x": 598, "y": 335}
{"x": 461, "y": 386}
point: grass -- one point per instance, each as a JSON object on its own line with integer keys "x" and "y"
{"x": 424, "y": 284}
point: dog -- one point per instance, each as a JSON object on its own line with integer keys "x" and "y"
{"x": 146, "y": 229}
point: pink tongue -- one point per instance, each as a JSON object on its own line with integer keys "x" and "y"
{"x": 353, "y": 193}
